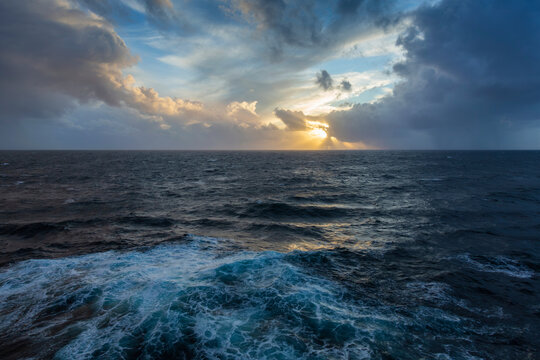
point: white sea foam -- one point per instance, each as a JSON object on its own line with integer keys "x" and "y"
{"x": 194, "y": 297}
{"x": 499, "y": 264}
{"x": 170, "y": 292}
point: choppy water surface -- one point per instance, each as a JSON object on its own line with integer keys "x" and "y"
{"x": 269, "y": 255}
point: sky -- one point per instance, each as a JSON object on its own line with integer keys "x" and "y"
{"x": 269, "y": 74}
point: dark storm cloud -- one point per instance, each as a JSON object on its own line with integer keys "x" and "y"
{"x": 470, "y": 79}
{"x": 324, "y": 80}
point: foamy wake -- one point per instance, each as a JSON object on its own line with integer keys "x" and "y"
{"x": 193, "y": 300}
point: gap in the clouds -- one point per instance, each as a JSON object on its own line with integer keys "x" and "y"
{"x": 357, "y": 64}
{"x": 150, "y": 71}
{"x": 366, "y": 96}
{"x": 367, "y": 76}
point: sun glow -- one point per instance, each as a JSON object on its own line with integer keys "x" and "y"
{"x": 318, "y": 133}
{"x": 318, "y": 129}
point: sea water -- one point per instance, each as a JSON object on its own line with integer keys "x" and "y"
{"x": 269, "y": 255}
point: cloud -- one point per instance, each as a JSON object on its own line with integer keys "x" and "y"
{"x": 52, "y": 53}
{"x": 468, "y": 70}
{"x": 55, "y": 56}
{"x": 61, "y": 56}
{"x": 293, "y": 23}
{"x": 159, "y": 8}
{"x": 112, "y": 10}
{"x": 345, "y": 85}
{"x": 324, "y": 80}
{"x": 294, "y": 120}
{"x": 68, "y": 88}
{"x": 298, "y": 121}
{"x": 244, "y": 54}
{"x": 470, "y": 79}
{"x": 244, "y": 113}
{"x": 148, "y": 101}
{"x": 161, "y": 14}
{"x": 104, "y": 127}
{"x": 307, "y": 24}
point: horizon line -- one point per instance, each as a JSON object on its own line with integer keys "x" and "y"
{"x": 268, "y": 150}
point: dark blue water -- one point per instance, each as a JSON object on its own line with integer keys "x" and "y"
{"x": 269, "y": 255}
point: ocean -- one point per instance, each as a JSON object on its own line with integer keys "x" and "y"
{"x": 269, "y": 255}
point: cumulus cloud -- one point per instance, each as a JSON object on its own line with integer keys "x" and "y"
{"x": 55, "y": 55}
{"x": 470, "y": 79}
{"x": 148, "y": 101}
{"x": 52, "y": 53}
{"x": 244, "y": 113}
